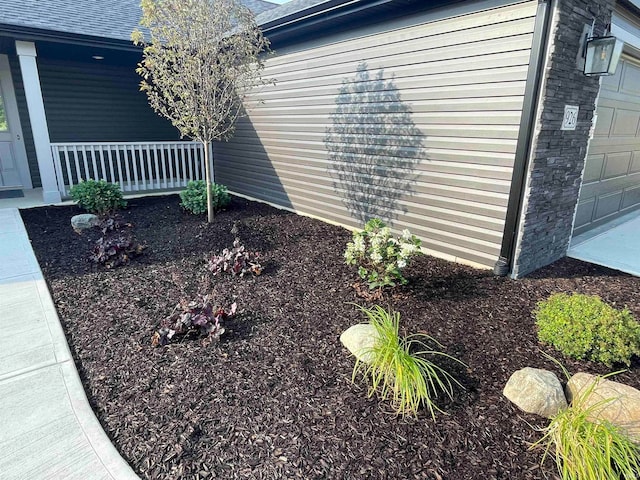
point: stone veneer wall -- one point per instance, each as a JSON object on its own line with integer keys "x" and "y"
{"x": 557, "y": 160}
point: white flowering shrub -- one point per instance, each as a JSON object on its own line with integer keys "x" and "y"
{"x": 380, "y": 257}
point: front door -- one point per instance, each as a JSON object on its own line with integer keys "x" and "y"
{"x": 14, "y": 170}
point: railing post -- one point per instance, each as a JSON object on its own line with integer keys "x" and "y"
{"x": 58, "y": 169}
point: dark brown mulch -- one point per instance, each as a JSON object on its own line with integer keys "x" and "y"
{"x": 274, "y": 399}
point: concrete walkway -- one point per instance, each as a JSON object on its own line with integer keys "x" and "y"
{"x": 47, "y": 428}
{"x": 615, "y": 245}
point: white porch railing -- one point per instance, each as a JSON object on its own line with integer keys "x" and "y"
{"x": 135, "y": 166}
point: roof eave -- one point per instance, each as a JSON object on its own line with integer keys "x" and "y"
{"x": 320, "y": 13}
{"x": 21, "y": 32}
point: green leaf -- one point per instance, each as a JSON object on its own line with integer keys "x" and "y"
{"x": 403, "y": 370}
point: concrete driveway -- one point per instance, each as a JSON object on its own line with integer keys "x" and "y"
{"x": 615, "y": 245}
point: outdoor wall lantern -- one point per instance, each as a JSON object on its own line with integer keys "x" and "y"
{"x": 602, "y": 55}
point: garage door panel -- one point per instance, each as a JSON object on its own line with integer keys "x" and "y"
{"x": 593, "y": 168}
{"x": 626, "y": 122}
{"x": 603, "y": 187}
{"x": 616, "y": 165}
{"x": 608, "y": 145}
{"x": 605, "y": 119}
{"x": 608, "y": 205}
{"x": 618, "y": 100}
{"x": 584, "y": 214}
{"x": 631, "y": 79}
{"x": 611, "y": 83}
{"x": 631, "y": 197}
{"x": 635, "y": 162}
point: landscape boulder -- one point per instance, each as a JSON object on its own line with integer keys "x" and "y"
{"x": 84, "y": 221}
{"x": 614, "y": 402}
{"x": 535, "y": 390}
{"x": 359, "y": 339}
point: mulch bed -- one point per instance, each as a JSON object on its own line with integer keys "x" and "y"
{"x": 274, "y": 399}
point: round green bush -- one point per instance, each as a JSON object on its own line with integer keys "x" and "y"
{"x": 584, "y": 327}
{"x": 194, "y": 198}
{"x": 98, "y": 196}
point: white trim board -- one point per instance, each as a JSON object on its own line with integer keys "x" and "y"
{"x": 31, "y": 80}
{"x": 625, "y": 30}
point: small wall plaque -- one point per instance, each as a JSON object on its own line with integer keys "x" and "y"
{"x": 570, "y": 119}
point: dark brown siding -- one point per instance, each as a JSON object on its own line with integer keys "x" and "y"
{"x": 94, "y": 102}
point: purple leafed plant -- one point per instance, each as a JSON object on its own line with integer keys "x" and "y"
{"x": 201, "y": 317}
{"x": 115, "y": 251}
{"x": 112, "y": 224}
{"x": 236, "y": 260}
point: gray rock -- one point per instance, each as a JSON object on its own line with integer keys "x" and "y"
{"x": 614, "y": 402}
{"x": 535, "y": 390}
{"x": 359, "y": 339}
{"x": 84, "y": 221}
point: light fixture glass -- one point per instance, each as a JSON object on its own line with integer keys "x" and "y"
{"x": 603, "y": 54}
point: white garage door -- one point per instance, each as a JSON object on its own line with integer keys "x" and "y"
{"x": 611, "y": 183}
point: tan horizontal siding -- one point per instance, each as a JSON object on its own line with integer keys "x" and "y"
{"x": 468, "y": 201}
{"x": 484, "y": 90}
{"x": 434, "y": 147}
{"x": 484, "y": 41}
{"x": 450, "y": 225}
{"x": 327, "y": 85}
{"x": 458, "y": 163}
{"x": 514, "y": 52}
{"x": 456, "y": 118}
{"x": 487, "y": 18}
{"x": 426, "y": 133}
{"x": 512, "y": 103}
{"x": 483, "y": 192}
{"x": 441, "y": 68}
{"x": 301, "y": 131}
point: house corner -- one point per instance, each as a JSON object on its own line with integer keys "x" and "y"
{"x": 558, "y": 149}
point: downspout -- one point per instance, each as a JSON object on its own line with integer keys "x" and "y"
{"x": 532, "y": 89}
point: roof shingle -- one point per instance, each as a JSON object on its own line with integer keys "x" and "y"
{"x": 287, "y": 9}
{"x": 115, "y": 19}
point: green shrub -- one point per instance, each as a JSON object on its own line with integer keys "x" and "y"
{"x": 194, "y": 198}
{"x": 587, "y": 449}
{"x": 584, "y": 327}
{"x": 98, "y": 196}
{"x": 379, "y": 256}
{"x": 397, "y": 371}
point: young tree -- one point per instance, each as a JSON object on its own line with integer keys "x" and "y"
{"x": 200, "y": 59}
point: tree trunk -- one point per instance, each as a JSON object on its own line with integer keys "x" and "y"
{"x": 208, "y": 168}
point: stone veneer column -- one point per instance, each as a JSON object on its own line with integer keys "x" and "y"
{"x": 557, "y": 157}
